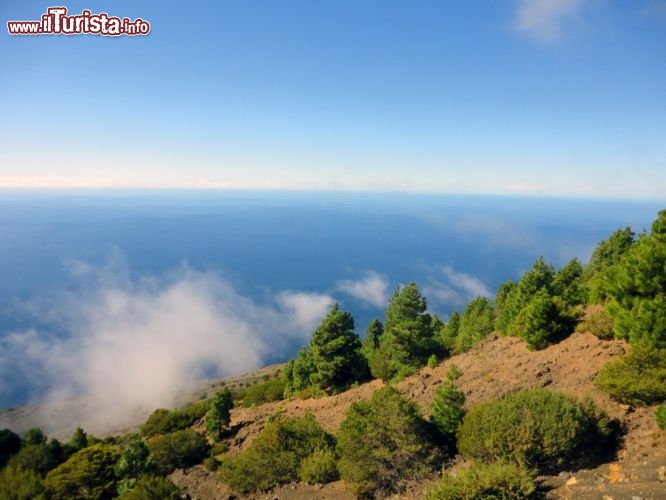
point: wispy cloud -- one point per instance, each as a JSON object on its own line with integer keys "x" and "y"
{"x": 371, "y": 287}
{"x": 133, "y": 345}
{"x": 446, "y": 286}
{"x": 546, "y": 20}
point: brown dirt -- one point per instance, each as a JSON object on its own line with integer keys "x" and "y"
{"x": 496, "y": 367}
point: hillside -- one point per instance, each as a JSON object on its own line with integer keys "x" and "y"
{"x": 497, "y": 366}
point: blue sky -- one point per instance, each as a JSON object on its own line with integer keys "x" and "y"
{"x": 544, "y": 97}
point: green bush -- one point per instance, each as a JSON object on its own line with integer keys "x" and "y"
{"x": 597, "y": 321}
{"x": 38, "y": 458}
{"x": 432, "y": 361}
{"x": 20, "y": 484}
{"x": 383, "y": 443}
{"x": 152, "y": 488}
{"x": 638, "y": 378}
{"x": 660, "y": 417}
{"x": 88, "y": 474}
{"x": 537, "y": 428}
{"x": 165, "y": 421}
{"x": 261, "y": 393}
{"x": 453, "y": 373}
{"x": 177, "y": 450}
{"x": 319, "y": 468}
{"x": 275, "y": 455}
{"x": 481, "y": 481}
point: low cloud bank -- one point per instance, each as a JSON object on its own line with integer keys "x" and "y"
{"x": 133, "y": 345}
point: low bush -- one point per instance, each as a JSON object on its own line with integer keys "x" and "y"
{"x": 261, "y": 393}
{"x": 19, "y": 484}
{"x": 152, "y": 488}
{"x": 275, "y": 455}
{"x": 453, "y": 373}
{"x": 486, "y": 481}
{"x": 383, "y": 443}
{"x": 177, "y": 450}
{"x": 597, "y": 321}
{"x": 319, "y": 468}
{"x": 165, "y": 421}
{"x": 536, "y": 428}
{"x": 660, "y": 417}
{"x": 638, "y": 378}
{"x": 88, "y": 473}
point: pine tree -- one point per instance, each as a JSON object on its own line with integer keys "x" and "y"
{"x": 447, "y": 412}
{"x": 219, "y": 413}
{"x": 336, "y": 352}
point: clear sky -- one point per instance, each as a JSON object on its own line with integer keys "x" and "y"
{"x": 552, "y": 97}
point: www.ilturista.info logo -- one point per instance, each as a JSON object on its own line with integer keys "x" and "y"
{"x": 57, "y": 22}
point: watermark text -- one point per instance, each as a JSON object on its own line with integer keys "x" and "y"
{"x": 56, "y": 22}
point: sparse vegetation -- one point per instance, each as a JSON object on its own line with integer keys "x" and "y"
{"x": 152, "y": 488}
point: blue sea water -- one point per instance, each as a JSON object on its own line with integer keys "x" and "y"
{"x": 298, "y": 241}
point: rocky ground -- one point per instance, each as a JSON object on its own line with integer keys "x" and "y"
{"x": 497, "y": 366}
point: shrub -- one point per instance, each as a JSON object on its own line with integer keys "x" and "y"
{"x": 319, "y": 468}
{"x": 86, "y": 474}
{"x": 453, "y": 373}
{"x": 152, "y": 488}
{"x": 177, "y": 450}
{"x": 432, "y": 361}
{"x": 536, "y": 428}
{"x": 259, "y": 394}
{"x": 38, "y": 458}
{"x": 134, "y": 459}
{"x": 20, "y": 484}
{"x": 480, "y": 481}
{"x": 638, "y": 378}
{"x": 164, "y": 421}
{"x": 383, "y": 443}
{"x": 447, "y": 412}
{"x": 275, "y": 455}
{"x": 660, "y": 417}
{"x": 597, "y": 321}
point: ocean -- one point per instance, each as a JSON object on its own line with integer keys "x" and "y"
{"x": 273, "y": 253}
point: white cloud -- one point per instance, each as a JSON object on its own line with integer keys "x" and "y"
{"x": 371, "y": 288}
{"x": 306, "y": 309}
{"x": 134, "y": 346}
{"x": 447, "y": 286}
{"x": 545, "y": 20}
